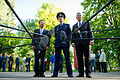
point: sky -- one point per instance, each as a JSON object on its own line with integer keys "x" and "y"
{"x": 27, "y": 9}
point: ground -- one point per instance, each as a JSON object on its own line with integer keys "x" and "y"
{"x": 61, "y": 76}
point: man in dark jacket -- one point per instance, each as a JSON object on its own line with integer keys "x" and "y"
{"x": 61, "y": 32}
{"x": 1, "y": 62}
{"x": 10, "y": 62}
{"x": 40, "y": 52}
{"x": 27, "y": 61}
{"x": 17, "y": 61}
{"x": 82, "y": 46}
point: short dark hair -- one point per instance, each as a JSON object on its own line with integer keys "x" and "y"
{"x": 40, "y": 21}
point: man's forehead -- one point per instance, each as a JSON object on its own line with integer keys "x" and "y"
{"x": 79, "y": 14}
{"x": 41, "y": 21}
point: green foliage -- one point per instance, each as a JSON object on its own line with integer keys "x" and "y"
{"x": 107, "y": 19}
{"x": 6, "y": 18}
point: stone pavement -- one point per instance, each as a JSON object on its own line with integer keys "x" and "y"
{"x": 61, "y": 76}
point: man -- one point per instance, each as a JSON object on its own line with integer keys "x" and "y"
{"x": 98, "y": 60}
{"x": 10, "y": 62}
{"x": 61, "y": 31}
{"x": 52, "y": 60}
{"x": 82, "y": 46}
{"x": 1, "y": 61}
{"x": 5, "y": 62}
{"x": 17, "y": 61}
{"x": 103, "y": 61}
{"x": 27, "y": 61}
{"x": 39, "y": 54}
{"x": 93, "y": 61}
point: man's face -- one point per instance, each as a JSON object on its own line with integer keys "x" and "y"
{"x": 60, "y": 19}
{"x": 98, "y": 51}
{"x": 41, "y": 24}
{"x": 79, "y": 17}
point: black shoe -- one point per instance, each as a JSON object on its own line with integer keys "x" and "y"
{"x": 80, "y": 75}
{"x": 70, "y": 75}
{"x": 36, "y": 75}
{"x": 88, "y": 76}
{"x": 54, "y": 76}
{"x": 41, "y": 75}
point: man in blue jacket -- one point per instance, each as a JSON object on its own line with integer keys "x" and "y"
{"x": 28, "y": 62}
{"x": 17, "y": 61}
{"x": 52, "y": 60}
{"x": 62, "y": 30}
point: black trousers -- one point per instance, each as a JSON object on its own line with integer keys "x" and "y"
{"x": 104, "y": 67}
{"x": 80, "y": 51}
{"x": 67, "y": 59}
{"x": 39, "y": 67}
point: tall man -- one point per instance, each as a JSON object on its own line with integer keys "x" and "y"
{"x": 27, "y": 61}
{"x": 62, "y": 30}
{"x": 17, "y": 61}
{"x": 93, "y": 61}
{"x": 82, "y": 46}
{"x": 10, "y": 62}
{"x": 98, "y": 60}
{"x": 39, "y": 54}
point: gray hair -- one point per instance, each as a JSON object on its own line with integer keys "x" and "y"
{"x": 102, "y": 50}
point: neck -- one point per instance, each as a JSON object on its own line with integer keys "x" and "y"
{"x": 61, "y": 22}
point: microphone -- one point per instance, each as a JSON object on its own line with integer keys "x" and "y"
{"x": 43, "y": 42}
{"x": 63, "y": 36}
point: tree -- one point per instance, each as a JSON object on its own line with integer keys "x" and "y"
{"x": 107, "y": 19}
{"x": 6, "y": 18}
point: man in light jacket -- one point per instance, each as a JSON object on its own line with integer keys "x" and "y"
{"x": 103, "y": 61}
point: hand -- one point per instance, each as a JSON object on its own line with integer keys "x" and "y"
{"x": 32, "y": 47}
{"x": 73, "y": 45}
{"x": 91, "y": 43}
{"x": 47, "y": 47}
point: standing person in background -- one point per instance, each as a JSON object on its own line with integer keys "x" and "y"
{"x": 103, "y": 61}
{"x": 10, "y": 62}
{"x": 23, "y": 65}
{"x": 1, "y": 61}
{"x": 93, "y": 61}
{"x": 62, "y": 30}
{"x": 28, "y": 59}
{"x": 82, "y": 46}
{"x": 45, "y": 63}
{"x": 52, "y": 60}
{"x": 5, "y": 62}
{"x": 61, "y": 63}
{"x": 98, "y": 60}
{"x": 17, "y": 61}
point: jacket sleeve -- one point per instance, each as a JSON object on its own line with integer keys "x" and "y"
{"x": 34, "y": 36}
{"x": 49, "y": 38}
{"x": 90, "y": 35}
{"x": 73, "y": 36}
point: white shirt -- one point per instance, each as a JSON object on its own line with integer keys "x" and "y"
{"x": 24, "y": 58}
{"x": 92, "y": 56}
{"x": 41, "y": 31}
{"x": 103, "y": 57}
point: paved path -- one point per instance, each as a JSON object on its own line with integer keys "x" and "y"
{"x": 62, "y": 76}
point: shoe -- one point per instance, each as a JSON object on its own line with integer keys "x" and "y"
{"x": 41, "y": 75}
{"x": 36, "y": 75}
{"x": 70, "y": 75}
{"x": 54, "y": 76}
{"x": 88, "y": 76}
{"x": 80, "y": 75}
